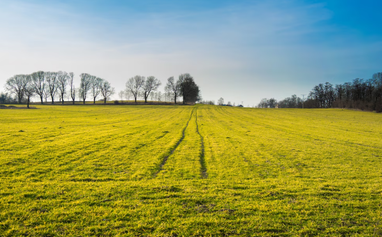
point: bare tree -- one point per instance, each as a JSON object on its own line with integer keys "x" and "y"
{"x": 150, "y": 85}
{"x": 127, "y": 95}
{"x": 173, "y": 87}
{"x": 106, "y": 90}
{"x": 29, "y": 88}
{"x": 95, "y": 87}
{"x": 121, "y": 94}
{"x": 62, "y": 82}
{"x": 263, "y": 103}
{"x": 221, "y": 101}
{"x": 134, "y": 85}
{"x": 16, "y": 85}
{"x": 159, "y": 96}
{"x": 166, "y": 96}
{"x": 46, "y": 96}
{"x": 51, "y": 79}
{"x": 72, "y": 87}
{"x": 38, "y": 81}
{"x": 170, "y": 96}
{"x": 85, "y": 86}
{"x": 152, "y": 96}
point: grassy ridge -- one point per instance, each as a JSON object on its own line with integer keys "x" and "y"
{"x": 88, "y": 170}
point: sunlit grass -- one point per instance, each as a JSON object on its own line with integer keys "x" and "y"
{"x": 130, "y": 170}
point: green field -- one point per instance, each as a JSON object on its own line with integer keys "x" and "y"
{"x": 189, "y": 170}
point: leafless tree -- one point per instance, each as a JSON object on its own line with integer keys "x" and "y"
{"x": 16, "y": 85}
{"x": 221, "y": 101}
{"x": 263, "y": 103}
{"x": 72, "y": 87}
{"x": 95, "y": 87}
{"x": 151, "y": 84}
{"x": 106, "y": 90}
{"x": 152, "y": 96}
{"x": 121, "y": 94}
{"x": 51, "y": 79}
{"x": 62, "y": 82}
{"x": 85, "y": 85}
{"x": 170, "y": 96}
{"x": 173, "y": 87}
{"x": 134, "y": 85}
{"x": 159, "y": 96}
{"x": 38, "y": 81}
{"x": 29, "y": 88}
{"x": 165, "y": 94}
{"x": 127, "y": 95}
{"x": 46, "y": 96}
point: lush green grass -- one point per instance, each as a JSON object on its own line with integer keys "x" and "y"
{"x": 189, "y": 170}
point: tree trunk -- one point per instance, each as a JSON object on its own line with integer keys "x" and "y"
{"x": 52, "y": 98}
{"x": 175, "y": 99}
{"x": 104, "y": 100}
{"x": 28, "y": 102}
{"x": 42, "y": 99}
{"x": 62, "y": 98}
{"x": 135, "y": 98}
{"x": 73, "y": 101}
{"x": 84, "y": 101}
{"x": 94, "y": 100}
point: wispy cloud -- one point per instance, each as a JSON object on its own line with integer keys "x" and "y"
{"x": 243, "y": 50}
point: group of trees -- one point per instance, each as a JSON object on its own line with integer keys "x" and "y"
{"x": 221, "y": 102}
{"x": 6, "y": 98}
{"x": 56, "y": 84}
{"x": 61, "y": 85}
{"x": 94, "y": 86}
{"x": 140, "y": 85}
{"x": 358, "y": 94}
{"x": 267, "y": 103}
{"x": 184, "y": 87}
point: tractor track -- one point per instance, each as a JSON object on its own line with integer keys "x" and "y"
{"x": 175, "y": 147}
{"x": 203, "y": 167}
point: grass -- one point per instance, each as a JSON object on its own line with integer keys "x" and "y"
{"x": 189, "y": 170}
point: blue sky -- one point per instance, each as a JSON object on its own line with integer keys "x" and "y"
{"x": 240, "y": 50}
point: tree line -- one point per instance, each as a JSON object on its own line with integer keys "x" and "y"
{"x": 184, "y": 87}
{"x": 50, "y": 85}
{"x": 358, "y": 94}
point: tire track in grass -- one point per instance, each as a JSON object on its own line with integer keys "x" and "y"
{"x": 164, "y": 160}
{"x": 203, "y": 167}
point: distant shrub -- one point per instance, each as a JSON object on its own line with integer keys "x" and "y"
{"x": 116, "y": 102}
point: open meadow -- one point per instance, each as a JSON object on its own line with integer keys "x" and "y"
{"x": 189, "y": 170}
